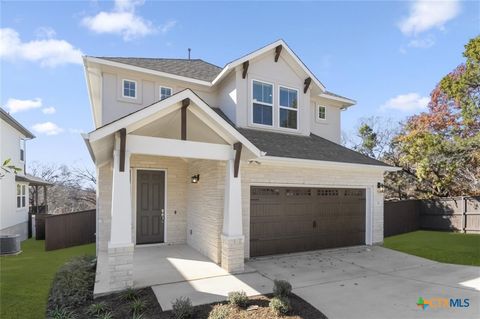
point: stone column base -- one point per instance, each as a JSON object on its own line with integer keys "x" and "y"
{"x": 120, "y": 266}
{"x": 233, "y": 259}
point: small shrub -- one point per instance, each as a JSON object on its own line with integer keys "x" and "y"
{"x": 96, "y": 309}
{"x": 182, "y": 308}
{"x": 137, "y": 315}
{"x": 61, "y": 313}
{"x": 138, "y": 306}
{"x": 105, "y": 315}
{"x": 281, "y": 288}
{"x": 73, "y": 283}
{"x": 237, "y": 298}
{"x": 219, "y": 312}
{"x": 129, "y": 295}
{"x": 280, "y": 305}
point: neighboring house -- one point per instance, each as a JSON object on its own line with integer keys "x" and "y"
{"x": 14, "y": 201}
{"x": 237, "y": 162}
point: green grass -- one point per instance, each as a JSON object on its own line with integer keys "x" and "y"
{"x": 453, "y": 248}
{"x": 25, "y": 279}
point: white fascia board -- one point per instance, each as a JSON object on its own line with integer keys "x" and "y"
{"x": 89, "y": 147}
{"x": 347, "y": 101}
{"x": 235, "y": 63}
{"x": 157, "y": 146}
{"x": 149, "y": 71}
{"x": 166, "y": 106}
{"x": 297, "y": 162}
{"x": 137, "y": 116}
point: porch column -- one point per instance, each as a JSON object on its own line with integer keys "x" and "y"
{"x": 120, "y": 246}
{"x": 232, "y": 237}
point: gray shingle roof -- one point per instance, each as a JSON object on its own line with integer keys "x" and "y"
{"x": 311, "y": 147}
{"x": 194, "y": 68}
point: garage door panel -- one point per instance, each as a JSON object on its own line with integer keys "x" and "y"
{"x": 286, "y": 219}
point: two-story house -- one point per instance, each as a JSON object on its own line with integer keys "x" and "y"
{"x": 14, "y": 194}
{"x": 236, "y": 162}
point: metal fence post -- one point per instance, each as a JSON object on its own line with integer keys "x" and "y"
{"x": 464, "y": 214}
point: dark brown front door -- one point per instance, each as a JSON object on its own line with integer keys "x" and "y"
{"x": 150, "y": 207}
{"x": 290, "y": 219}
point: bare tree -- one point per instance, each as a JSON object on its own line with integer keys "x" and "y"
{"x": 73, "y": 189}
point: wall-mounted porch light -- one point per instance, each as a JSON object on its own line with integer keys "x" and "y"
{"x": 195, "y": 178}
{"x": 380, "y": 187}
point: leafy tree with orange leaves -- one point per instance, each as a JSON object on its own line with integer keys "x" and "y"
{"x": 441, "y": 147}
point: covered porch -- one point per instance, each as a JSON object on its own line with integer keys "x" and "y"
{"x": 172, "y": 175}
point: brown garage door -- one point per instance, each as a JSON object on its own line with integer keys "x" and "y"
{"x": 285, "y": 220}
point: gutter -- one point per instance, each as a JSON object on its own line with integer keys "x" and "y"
{"x": 86, "y": 139}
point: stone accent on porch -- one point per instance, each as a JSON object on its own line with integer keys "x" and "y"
{"x": 120, "y": 267}
{"x": 233, "y": 254}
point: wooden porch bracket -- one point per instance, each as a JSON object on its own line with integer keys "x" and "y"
{"x": 238, "y": 152}
{"x": 307, "y": 84}
{"x": 185, "y": 104}
{"x": 245, "y": 69}
{"x": 123, "y": 141}
{"x": 278, "y": 50}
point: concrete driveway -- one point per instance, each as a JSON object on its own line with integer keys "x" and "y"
{"x": 374, "y": 282}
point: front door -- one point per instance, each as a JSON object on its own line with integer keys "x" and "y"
{"x": 150, "y": 207}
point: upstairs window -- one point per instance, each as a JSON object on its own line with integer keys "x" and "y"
{"x": 22, "y": 149}
{"x": 165, "y": 92}
{"x": 322, "y": 112}
{"x": 288, "y": 105}
{"x": 262, "y": 104}
{"x": 129, "y": 89}
{"x": 21, "y": 195}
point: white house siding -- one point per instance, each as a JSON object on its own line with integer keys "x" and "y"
{"x": 328, "y": 128}
{"x": 176, "y": 201}
{"x": 254, "y": 174}
{"x": 13, "y": 220}
{"x": 205, "y": 207}
{"x": 114, "y": 105}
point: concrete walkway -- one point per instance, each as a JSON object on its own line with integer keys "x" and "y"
{"x": 374, "y": 282}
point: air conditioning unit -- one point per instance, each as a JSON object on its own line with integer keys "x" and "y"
{"x": 9, "y": 244}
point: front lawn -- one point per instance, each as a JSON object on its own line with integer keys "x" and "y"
{"x": 25, "y": 279}
{"x": 453, "y": 248}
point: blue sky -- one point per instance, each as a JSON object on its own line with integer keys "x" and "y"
{"x": 386, "y": 55}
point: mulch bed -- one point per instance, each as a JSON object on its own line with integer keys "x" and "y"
{"x": 300, "y": 310}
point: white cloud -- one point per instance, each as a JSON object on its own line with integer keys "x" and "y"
{"x": 422, "y": 42}
{"x": 170, "y": 24}
{"x": 123, "y": 21}
{"x": 45, "y": 32}
{"x": 427, "y": 14}
{"x": 76, "y": 130}
{"x": 48, "y": 52}
{"x": 49, "y": 110}
{"x": 47, "y": 128}
{"x": 409, "y": 102}
{"x": 15, "y": 105}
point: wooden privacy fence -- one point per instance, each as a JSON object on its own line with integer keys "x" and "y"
{"x": 71, "y": 229}
{"x": 451, "y": 214}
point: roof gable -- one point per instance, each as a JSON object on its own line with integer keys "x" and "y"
{"x": 15, "y": 124}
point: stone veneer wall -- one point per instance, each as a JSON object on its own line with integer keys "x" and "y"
{"x": 104, "y": 205}
{"x": 205, "y": 208}
{"x": 304, "y": 176}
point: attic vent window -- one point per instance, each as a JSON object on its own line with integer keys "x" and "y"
{"x": 165, "y": 92}
{"x": 129, "y": 89}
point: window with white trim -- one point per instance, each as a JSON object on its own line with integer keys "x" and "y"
{"x": 288, "y": 107}
{"x": 165, "y": 92}
{"x": 321, "y": 112}
{"x": 21, "y": 195}
{"x": 22, "y": 149}
{"x": 129, "y": 89}
{"x": 262, "y": 103}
